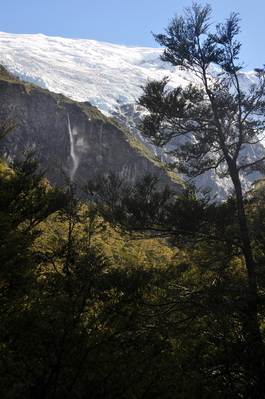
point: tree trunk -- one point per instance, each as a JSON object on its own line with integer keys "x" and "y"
{"x": 254, "y": 343}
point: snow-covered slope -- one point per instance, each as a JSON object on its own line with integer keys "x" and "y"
{"x": 107, "y": 75}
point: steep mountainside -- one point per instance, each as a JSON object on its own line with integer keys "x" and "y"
{"x": 70, "y": 137}
{"x": 108, "y": 76}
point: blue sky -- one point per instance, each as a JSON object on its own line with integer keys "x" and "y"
{"x": 128, "y": 22}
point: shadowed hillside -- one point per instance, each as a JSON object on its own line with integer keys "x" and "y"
{"x": 71, "y": 137}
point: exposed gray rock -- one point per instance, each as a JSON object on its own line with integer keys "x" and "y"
{"x": 72, "y": 137}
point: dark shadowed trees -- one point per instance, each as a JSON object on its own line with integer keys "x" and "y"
{"x": 209, "y": 124}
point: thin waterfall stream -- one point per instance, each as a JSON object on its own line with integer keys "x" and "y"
{"x": 72, "y": 150}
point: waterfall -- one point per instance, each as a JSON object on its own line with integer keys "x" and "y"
{"x": 72, "y": 151}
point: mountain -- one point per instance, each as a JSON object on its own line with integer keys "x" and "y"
{"x": 108, "y": 76}
{"x": 105, "y": 74}
{"x": 71, "y": 138}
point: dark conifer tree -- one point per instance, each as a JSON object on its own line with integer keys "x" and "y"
{"x": 209, "y": 124}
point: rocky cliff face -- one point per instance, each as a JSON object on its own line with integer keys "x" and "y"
{"x": 71, "y": 137}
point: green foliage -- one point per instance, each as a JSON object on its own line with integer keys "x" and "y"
{"x": 90, "y": 309}
{"x": 5, "y": 75}
{"x": 26, "y": 200}
{"x": 71, "y": 317}
{"x": 201, "y": 299}
{"x": 7, "y": 126}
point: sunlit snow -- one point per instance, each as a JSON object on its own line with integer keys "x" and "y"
{"x": 107, "y": 75}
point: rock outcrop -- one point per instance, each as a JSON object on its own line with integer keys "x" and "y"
{"x": 71, "y": 137}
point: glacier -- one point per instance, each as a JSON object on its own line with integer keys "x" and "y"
{"x": 109, "y": 76}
